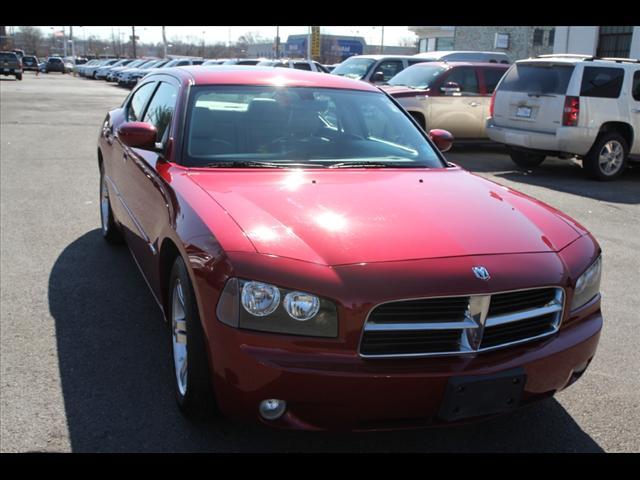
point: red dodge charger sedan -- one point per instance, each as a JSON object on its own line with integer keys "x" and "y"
{"x": 322, "y": 266}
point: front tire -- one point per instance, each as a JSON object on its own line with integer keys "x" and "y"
{"x": 607, "y": 159}
{"x": 110, "y": 231}
{"x": 526, "y": 159}
{"x": 190, "y": 362}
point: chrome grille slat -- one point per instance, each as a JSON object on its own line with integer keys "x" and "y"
{"x": 416, "y": 328}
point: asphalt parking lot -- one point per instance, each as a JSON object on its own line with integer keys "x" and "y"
{"x": 85, "y": 358}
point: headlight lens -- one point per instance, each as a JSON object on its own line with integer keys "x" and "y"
{"x": 299, "y": 313}
{"x": 260, "y": 299}
{"x": 588, "y": 285}
{"x": 301, "y": 306}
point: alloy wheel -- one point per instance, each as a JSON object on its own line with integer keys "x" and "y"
{"x": 611, "y": 157}
{"x": 179, "y": 327}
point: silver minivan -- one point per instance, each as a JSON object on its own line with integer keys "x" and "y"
{"x": 566, "y": 106}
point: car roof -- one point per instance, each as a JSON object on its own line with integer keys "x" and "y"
{"x": 575, "y": 59}
{"x": 444, "y": 63}
{"x": 253, "y": 75}
{"x": 380, "y": 57}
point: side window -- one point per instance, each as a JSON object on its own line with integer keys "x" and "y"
{"x": 467, "y": 79}
{"x": 302, "y": 66}
{"x": 161, "y": 108}
{"x": 138, "y": 101}
{"x": 197, "y": 62}
{"x": 389, "y": 68}
{"x": 491, "y": 78}
{"x": 635, "y": 88}
{"x": 602, "y": 82}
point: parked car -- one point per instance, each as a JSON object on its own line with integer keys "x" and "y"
{"x": 464, "y": 56}
{"x": 452, "y": 96}
{"x": 55, "y": 64}
{"x": 118, "y": 72}
{"x": 111, "y": 75}
{"x": 102, "y": 72}
{"x": 300, "y": 64}
{"x": 129, "y": 78}
{"x": 11, "y": 65}
{"x": 82, "y": 69}
{"x": 243, "y": 61}
{"x": 321, "y": 265}
{"x": 218, "y": 61}
{"x": 30, "y": 63}
{"x": 566, "y": 106}
{"x": 91, "y": 70}
{"x": 331, "y": 68}
{"x": 374, "y": 68}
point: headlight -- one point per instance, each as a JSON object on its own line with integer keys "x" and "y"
{"x": 257, "y": 306}
{"x": 260, "y": 299}
{"x": 588, "y": 285}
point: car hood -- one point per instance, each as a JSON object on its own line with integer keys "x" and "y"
{"x": 401, "y": 91}
{"x": 353, "y": 216}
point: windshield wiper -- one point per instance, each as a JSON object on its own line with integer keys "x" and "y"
{"x": 251, "y": 163}
{"x": 359, "y": 165}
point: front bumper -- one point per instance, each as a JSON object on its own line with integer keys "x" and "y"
{"x": 338, "y": 392}
{"x": 569, "y": 140}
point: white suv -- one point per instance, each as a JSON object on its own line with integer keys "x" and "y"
{"x": 569, "y": 105}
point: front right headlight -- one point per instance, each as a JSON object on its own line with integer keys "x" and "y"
{"x": 588, "y": 284}
{"x": 261, "y": 306}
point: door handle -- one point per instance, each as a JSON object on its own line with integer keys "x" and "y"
{"x": 474, "y": 104}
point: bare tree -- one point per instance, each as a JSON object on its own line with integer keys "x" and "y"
{"x": 408, "y": 42}
{"x": 30, "y": 38}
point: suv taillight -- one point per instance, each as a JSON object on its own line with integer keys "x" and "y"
{"x": 571, "y": 111}
{"x": 492, "y": 104}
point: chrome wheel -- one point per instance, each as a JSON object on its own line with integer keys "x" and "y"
{"x": 104, "y": 206}
{"x": 179, "y": 326}
{"x": 611, "y": 157}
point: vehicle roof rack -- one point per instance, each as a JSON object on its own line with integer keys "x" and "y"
{"x": 618, "y": 59}
{"x": 567, "y": 55}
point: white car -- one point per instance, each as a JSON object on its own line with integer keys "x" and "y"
{"x": 299, "y": 64}
{"x": 566, "y": 106}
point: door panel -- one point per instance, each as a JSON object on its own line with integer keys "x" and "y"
{"x": 634, "y": 105}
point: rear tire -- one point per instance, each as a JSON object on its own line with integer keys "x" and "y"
{"x": 526, "y": 159}
{"x": 19, "y": 76}
{"x": 193, "y": 391}
{"x": 608, "y": 157}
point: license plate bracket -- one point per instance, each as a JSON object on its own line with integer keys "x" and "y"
{"x": 478, "y": 395}
{"x": 523, "y": 112}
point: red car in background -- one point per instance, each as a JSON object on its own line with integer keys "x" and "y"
{"x": 322, "y": 266}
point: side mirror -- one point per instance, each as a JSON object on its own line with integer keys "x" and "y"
{"x": 138, "y": 135}
{"x": 378, "y": 77}
{"x": 442, "y": 138}
{"x": 450, "y": 88}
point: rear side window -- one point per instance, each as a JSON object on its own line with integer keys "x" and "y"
{"x": 466, "y": 78}
{"x": 491, "y": 78}
{"x": 635, "y": 89}
{"x": 138, "y": 101}
{"x": 389, "y": 69}
{"x": 601, "y": 82}
{"x": 547, "y": 79}
{"x": 302, "y": 66}
{"x": 161, "y": 108}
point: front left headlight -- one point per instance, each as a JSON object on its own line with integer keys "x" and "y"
{"x": 588, "y": 285}
{"x": 261, "y": 306}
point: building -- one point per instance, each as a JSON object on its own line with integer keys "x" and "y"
{"x": 518, "y": 42}
{"x": 609, "y": 41}
{"x": 434, "y": 38}
{"x": 390, "y": 50}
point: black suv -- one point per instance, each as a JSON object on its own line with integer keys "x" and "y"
{"x": 29, "y": 62}
{"x": 10, "y": 64}
{"x": 54, "y": 64}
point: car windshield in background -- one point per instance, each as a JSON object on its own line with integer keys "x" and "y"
{"x": 355, "y": 68}
{"x": 542, "y": 79}
{"x": 275, "y": 126}
{"x": 418, "y": 76}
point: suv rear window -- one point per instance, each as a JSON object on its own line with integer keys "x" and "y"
{"x": 55, "y": 60}
{"x": 601, "y": 82}
{"x": 8, "y": 56}
{"x": 538, "y": 78}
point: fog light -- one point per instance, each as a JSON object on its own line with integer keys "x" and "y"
{"x": 272, "y": 408}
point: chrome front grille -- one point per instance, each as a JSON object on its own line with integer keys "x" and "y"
{"x": 461, "y": 324}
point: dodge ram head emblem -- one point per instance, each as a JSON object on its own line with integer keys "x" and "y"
{"x": 481, "y": 273}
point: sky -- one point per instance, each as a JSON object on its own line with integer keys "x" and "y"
{"x": 150, "y": 34}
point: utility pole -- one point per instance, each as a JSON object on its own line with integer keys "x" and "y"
{"x": 203, "y": 34}
{"x": 133, "y": 40}
{"x": 64, "y": 40}
{"x": 164, "y": 41}
{"x": 309, "y": 44}
{"x": 382, "y": 42}
{"x": 73, "y": 45}
{"x": 277, "y": 42}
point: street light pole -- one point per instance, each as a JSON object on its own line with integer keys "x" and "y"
{"x": 133, "y": 40}
{"x": 382, "y": 42}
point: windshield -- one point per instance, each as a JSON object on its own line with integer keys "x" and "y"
{"x": 540, "y": 78}
{"x": 355, "y": 68}
{"x": 304, "y": 126}
{"x": 418, "y": 76}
